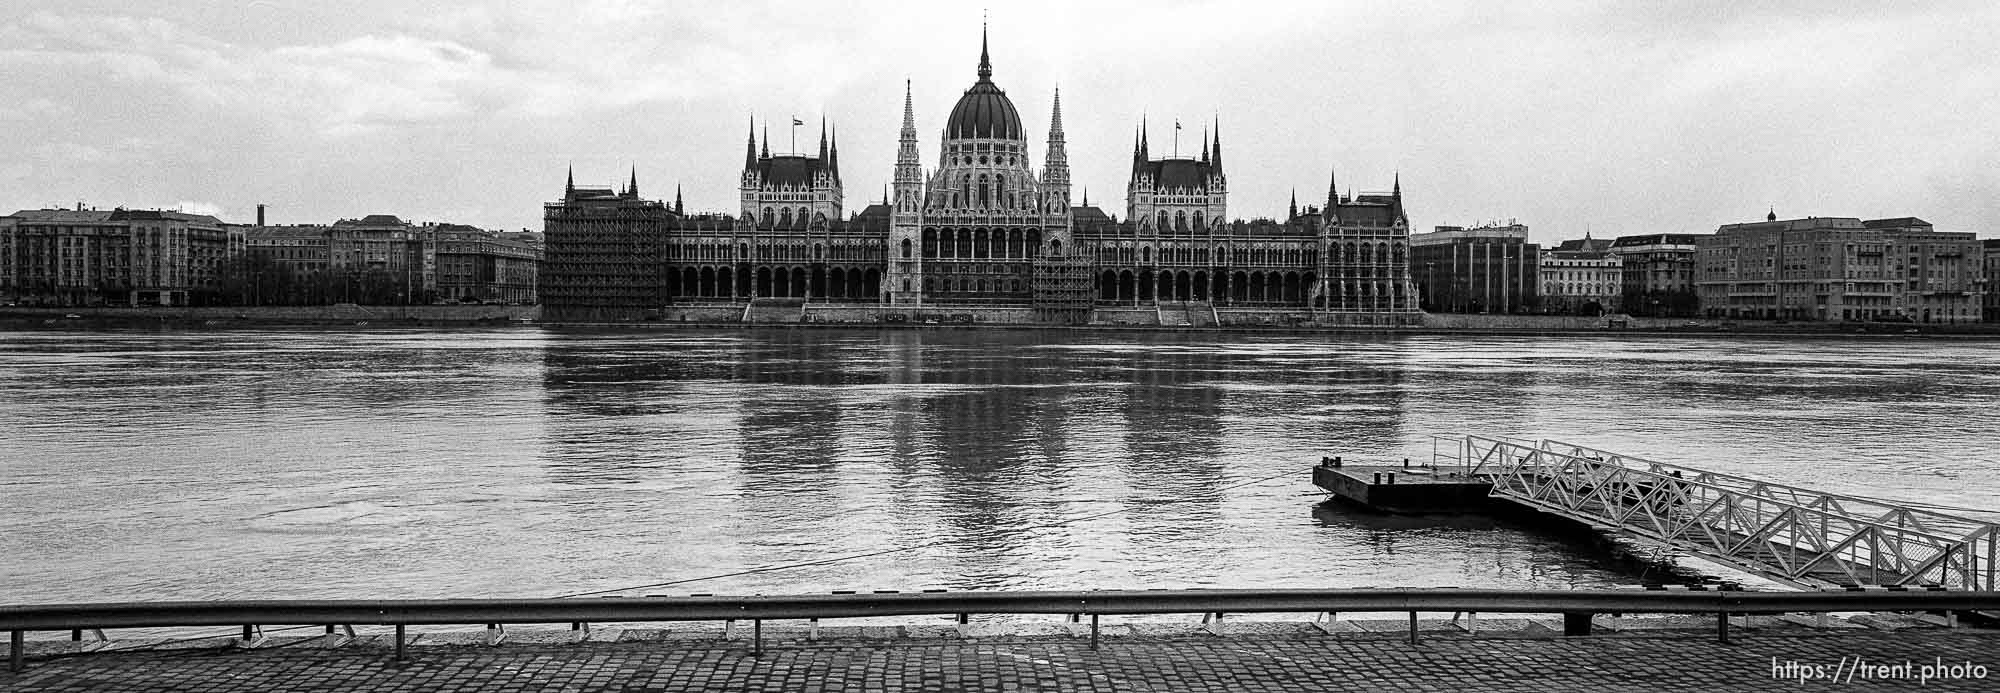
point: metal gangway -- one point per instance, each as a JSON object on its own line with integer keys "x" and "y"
{"x": 1792, "y": 535}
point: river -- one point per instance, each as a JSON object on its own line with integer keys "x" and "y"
{"x": 523, "y": 462}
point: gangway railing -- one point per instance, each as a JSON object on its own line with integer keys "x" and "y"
{"x": 1795, "y": 535}
{"x": 1576, "y": 606}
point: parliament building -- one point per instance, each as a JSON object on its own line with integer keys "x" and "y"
{"x": 983, "y": 236}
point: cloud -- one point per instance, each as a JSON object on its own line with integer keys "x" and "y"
{"x": 33, "y": 109}
{"x": 352, "y": 86}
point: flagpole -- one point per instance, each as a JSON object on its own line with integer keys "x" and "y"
{"x": 795, "y": 135}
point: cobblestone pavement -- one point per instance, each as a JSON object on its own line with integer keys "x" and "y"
{"x": 1680, "y": 661}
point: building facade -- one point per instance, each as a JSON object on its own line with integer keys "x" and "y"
{"x": 1840, "y": 268}
{"x": 118, "y": 257}
{"x": 1989, "y": 310}
{"x": 1658, "y": 274}
{"x": 474, "y": 264}
{"x": 1486, "y": 269}
{"x": 984, "y": 228}
{"x": 1581, "y": 276}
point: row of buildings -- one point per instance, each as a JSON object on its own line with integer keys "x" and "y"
{"x": 985, "y": 230}
{"x": 1815, "y": 268}
{"x": 125, "y": 257}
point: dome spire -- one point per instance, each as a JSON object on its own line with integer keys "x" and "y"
{"x": 985, "y": 63}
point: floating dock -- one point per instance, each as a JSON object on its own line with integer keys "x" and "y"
{"x": 1404, "y": 489}
{"x": 1792, "y": 535}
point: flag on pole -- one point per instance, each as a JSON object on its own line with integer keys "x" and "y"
{"x": 796, "y": 121}
{"x": 1177, "y": 124}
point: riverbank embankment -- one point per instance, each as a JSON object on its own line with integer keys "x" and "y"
{"x": 1114, "y": 320}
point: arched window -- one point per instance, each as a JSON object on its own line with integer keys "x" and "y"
{"x": 1055, "y": 247}
{"x": 906, "y": 248}
{"x": 983, "y": 192}
{"x": 1198, "y": 222}
{"x": 770, "y": 215}
{"x": 1000, "y": 192}
{"x": 1163, "y": 220}
{"x": 785, "y": 216}
{"x": 1146, "y": 254}
{"x": 1180, "y": 222}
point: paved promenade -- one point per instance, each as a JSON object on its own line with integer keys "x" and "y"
{"x": 1269, "y": 658}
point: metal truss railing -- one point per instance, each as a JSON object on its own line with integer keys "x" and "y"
{"x": 1794, "y": 535}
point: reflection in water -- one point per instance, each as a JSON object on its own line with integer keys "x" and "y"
{"x": 276, "y": 464}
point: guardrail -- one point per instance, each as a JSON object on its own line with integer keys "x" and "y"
{"x": 1576, "y": 606}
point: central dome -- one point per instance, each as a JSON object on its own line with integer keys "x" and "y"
{"x": 984, "y": 111}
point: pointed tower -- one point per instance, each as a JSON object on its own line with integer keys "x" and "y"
{"x": 569, "y": 183}
{"x": 1204, "y": 144}
{"x": 1332, "y": 214}
{"x": 765, "y": 151}
{"x": 1218, "y": 146}
{"x": 1055, "y": 167}
{"x": 833, "y": 156}
{"x": 904, "y": 282}
{"x": 822, "y": 138}
{"x": 678, "y": 208}
{"x": 1292, "y": 212}
{"x": 750, "y": 150}
{"x": 1396, "y": 198}
{"x": 632, "y": 188}
{"x": 985, "y": 62}
{"x": 1136, "y": 156}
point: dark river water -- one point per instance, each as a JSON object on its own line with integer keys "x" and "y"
{"x": 525, "y": 462}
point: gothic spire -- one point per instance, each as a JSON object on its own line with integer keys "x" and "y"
{"x": 1204, "y": 144}
{"x": 1396, "y": 196}
{"x": 764, "y": 152}
{"x": 750, "y": 150}
{"x": 1055, "y": 117}
{"x": 1294, "y": 209}
{"x": 569, "y": 184}
{"x": 1055, "y": 168}
{"x": 909, "y": 178}
{"x": 985, "y": 63}
{"x": 633, "y": 187}
{"x": 822, "y": 139}
{"x": 1135, "y": 150}
{"x": 678, "y": 209}
{"x": 833, "y": 156}
{"x": 1217, "y": 157}
{"x": 1331, "y": 215}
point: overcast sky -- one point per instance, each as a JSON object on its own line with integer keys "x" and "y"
{"x": 1617, "y": 118}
